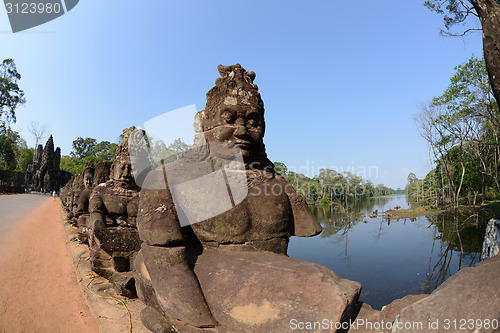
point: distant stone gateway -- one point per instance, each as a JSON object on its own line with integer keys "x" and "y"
{"x": 46, "y": 162}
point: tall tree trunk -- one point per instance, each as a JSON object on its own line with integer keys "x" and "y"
{"x": 449, "y": 175}
{"x": 483, "y": 189}
{"x": 443, "y": 192}
{"x": 489, "y": 14}
{"x": 423, "y": 193}
{"x": 460, "y": 186}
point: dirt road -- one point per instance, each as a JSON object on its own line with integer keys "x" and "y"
{"x": 39, "y": 291}
{"x": 15, "y": 208}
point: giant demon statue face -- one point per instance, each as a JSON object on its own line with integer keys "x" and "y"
{"x": 235, "y": 111}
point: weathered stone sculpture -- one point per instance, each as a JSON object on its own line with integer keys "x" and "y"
{"x": 75, "y": 196}
{"x": 470, "y": 296}
{"x": 68, "y": 193}
{"x": 74, "y": 193}
{"x": 491, "y": 243}
{"x": 113, "y": 210}
{"x": 82, "y": 191}
{"x": 229, "y": 272}
{"x": 46, "y": 160}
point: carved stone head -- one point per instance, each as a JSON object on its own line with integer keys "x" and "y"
{"x": 88, "y": 174}
{"x": 234, "y": 112}
{"x": 101, "y": 173}
{"x": 121, "y": 169}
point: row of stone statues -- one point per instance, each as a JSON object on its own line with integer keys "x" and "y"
{"x": 102, "y": 202}
{"x": 203, "y": 240}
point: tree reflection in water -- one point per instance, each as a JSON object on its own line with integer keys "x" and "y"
{"x": 391, "y": 258}
{"x": 458, "y": 234}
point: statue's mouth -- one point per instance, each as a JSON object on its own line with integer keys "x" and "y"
{"x": 243, "y": 143}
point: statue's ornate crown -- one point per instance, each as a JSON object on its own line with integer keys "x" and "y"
{"x": 234, "y": 87}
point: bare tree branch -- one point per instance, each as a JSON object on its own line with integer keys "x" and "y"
{"x": 38, "y": 131}
{"x": 450, "y": 34}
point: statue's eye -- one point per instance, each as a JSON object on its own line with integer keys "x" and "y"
{"x": 253, "y": 121}
{"x": 227, "y": 116}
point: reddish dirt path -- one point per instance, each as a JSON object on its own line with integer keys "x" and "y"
{"x": 39, "y": 290}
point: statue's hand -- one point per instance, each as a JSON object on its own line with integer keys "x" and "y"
{"x": 177, "y": 289}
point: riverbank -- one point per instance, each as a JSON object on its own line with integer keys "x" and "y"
{"x": 413, "y": 212}
{"x": 492, "y": 207}
{"x": 387, "y": 196}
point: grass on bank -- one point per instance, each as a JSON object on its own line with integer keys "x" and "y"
{"x": 492, "y": 207}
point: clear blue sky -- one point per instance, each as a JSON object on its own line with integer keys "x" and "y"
{"x": 340, "y": 80}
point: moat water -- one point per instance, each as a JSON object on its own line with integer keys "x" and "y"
{"x": 395, "y": 258}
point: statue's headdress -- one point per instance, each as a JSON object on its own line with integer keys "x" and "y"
{"x": 234, "y": 87}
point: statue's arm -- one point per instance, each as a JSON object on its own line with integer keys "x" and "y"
{"x": 165, "y": 256}
{"x": 305, "y": 224}
{"x": 97, "y": 209}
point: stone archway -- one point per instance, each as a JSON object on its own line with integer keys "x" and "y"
{"x": 45, "y": 162}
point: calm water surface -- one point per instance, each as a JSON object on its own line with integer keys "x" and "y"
{"x": 394, "y": 258}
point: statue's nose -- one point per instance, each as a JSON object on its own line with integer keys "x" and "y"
{"x": 241, "y": 130}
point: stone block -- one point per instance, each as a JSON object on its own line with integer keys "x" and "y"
{"x": 265, "y": 292}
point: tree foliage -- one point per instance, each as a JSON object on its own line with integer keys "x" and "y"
{"x": 14, "y": 153}
{"x": 462, "y": 128}
{"x": 331, "y": 186}
{"x": 488, "y": 11}
{"x": 104, "y": 151}
{"x": 83, "y": 147}
{"x": 87, "y": 149}
{"x": 454, "y": 12}
{"x": 160, "y": 153}
{"x": 11, "y": 96}
{"x": 469, "y": 93}
{"x": 75, "y": 165}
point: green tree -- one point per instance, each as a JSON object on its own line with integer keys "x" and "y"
{"x": 469, "y": 93}
{"x": 412, "y": 178}
{"x": 104, "y": 151}
{"x": 8, "y": 146}
{"x": 471, "y": 121}
{"x": 24, "y": 158}
{"x": 462, "y": 126}
{"x": 14, "y": 153}
{"x": 369, "y": 189}
{"x": 456, "y": 12}
{"x": 83, "y": 147}
{"x": 11, "y": 96}
{"x": 161, "y": 153}
{"x": 280, "y": 168}
{"x": 73, "y": 165}
{"x": 87, "y": 149}
{"x": 178, "y": 146}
